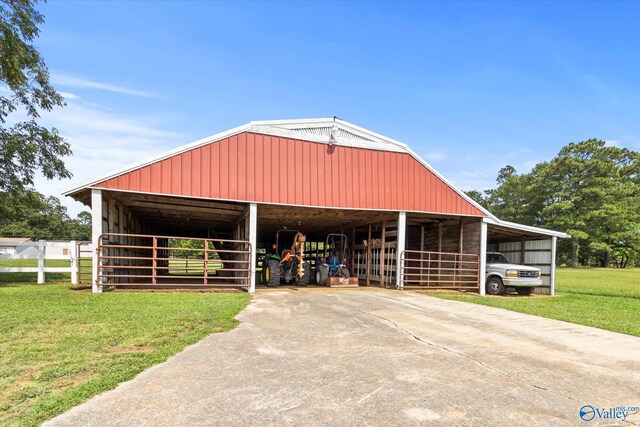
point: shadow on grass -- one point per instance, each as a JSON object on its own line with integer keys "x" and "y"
{"x": 32, "y": 278}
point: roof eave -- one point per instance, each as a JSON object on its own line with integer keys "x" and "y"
{"x": 528, "y": 228}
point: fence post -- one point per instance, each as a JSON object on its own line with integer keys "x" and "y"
{"x": 73, "y": 252}
{"x": 41, "y": 249}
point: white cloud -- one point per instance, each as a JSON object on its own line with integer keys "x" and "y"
{"x": 435, "y": 155}
{"x": 69, "y": 95}
{"x": 612, "y": 143}
{"x": 473, "y": 180}
{"x": 62, "y": 79}
{"x": 83, "y": 119}
{"x": 102, "y": 141}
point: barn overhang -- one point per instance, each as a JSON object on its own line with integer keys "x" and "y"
{"x": 505, "y": 231}
{"x": 525, "y": 245}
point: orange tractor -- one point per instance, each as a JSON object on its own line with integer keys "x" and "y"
{"x": 286, "y": 264}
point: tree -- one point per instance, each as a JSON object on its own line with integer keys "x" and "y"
{"x": 31, "y": 214}
{"x": 25, "y": 146}
{"x": 593, "y": 192}
{"x": 514, "y": 198}
{"x": 478, "y": 196}
{"x": 589, "y": 190}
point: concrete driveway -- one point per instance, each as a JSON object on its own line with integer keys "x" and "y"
{"x": 376, "y": 357}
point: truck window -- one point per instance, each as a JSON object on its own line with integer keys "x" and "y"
{"x": 496, "y": 259}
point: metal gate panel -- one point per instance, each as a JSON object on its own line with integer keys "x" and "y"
{"x": 165, "y": 261}
{"x": 444, "y": 270}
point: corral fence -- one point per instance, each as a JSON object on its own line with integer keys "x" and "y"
{"x": 78, "y": 253}
{"x": 444, "y": 270}
{"x": 141, "y": 260}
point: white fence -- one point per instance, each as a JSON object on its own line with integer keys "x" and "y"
{"x": 43, "y": 250}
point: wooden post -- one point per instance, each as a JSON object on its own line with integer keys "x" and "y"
{"x": 458, "y": 263}
{"x": 382, "y": 253}
{"x": 41, "y": 249}
{"x": 369, "y": 258}
{"x": 353, "y": 249}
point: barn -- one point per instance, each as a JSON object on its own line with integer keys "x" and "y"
{"x": 210, "y": 213}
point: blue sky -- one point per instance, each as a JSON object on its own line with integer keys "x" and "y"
{"x": 471, "y": 86}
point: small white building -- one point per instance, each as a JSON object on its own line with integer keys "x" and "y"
{"x": 10, "y": 245}
{"x": 25, "y": 248}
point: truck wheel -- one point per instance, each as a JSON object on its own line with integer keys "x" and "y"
{"x": 272, "y": 273}
{"x": 525, "y": 290}
{"x": 494, "y": 286}
{"x": 306, "y": 275}
{"x": 322, "y": 273}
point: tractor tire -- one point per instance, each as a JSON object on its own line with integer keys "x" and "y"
{"x": 526, "y": 290}
{"x": 271, "y": 272}
{"x": 306, "y": 275}
{"x": 494, "y": 286}
{"x": 322, "y": 273}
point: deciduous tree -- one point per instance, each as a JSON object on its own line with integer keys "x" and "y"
{"x": 31, "y": 214}
{"x": 590, "y": 190}
{"x": 26, "y": 147}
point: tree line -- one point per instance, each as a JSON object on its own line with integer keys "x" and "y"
{"x": 28, "y": 213}
{"x": 590, "y": 190}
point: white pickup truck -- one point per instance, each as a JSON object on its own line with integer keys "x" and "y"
{"x": 501, "y": 275}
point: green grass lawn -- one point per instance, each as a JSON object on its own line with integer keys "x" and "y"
{"x": 193, "y": 267}
{"x": 605, "y": 298}
{"x": 59, "y": 347}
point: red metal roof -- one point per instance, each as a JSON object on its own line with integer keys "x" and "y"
{"x": 271, "y": 169}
